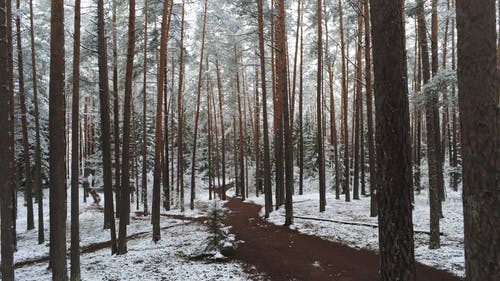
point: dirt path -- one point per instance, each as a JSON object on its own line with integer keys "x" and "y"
{"x": 285, "y": 254}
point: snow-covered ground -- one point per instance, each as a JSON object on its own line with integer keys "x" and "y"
{"x": 169, "y": 259}
{"x": 449, "y": 257}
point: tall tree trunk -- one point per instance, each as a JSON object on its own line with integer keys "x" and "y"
{"x": 345, "y": 133}
{"x": 127, "y": 111}
{"x": 197, "y": 113}
{"x": 319, "y": 94}
{"x": 75, "y": 124}
{"x": 265, "y": 126}
{"x": 180, "y": 118}
{"x": 397, "y": 261}
{"x": 437, "y": 132}
{"x": 417, "y": 112}
{"x": 7, "y": 152}
{"x": 369, "y": 112}
{"x": 22, "y": 102}
{"x": 12, "y": 125}
{"x": 167, "y": 179}
{"x": 479, "y": 120}
{"x": 282, "y": 91}
{"x": 223, "y": 140}
{"x": 277, "y": 119}
{"x": 256, "y": 137}
{"x": 358, "y": 134}
{"x": 301, "y": 113}
{"x": 116, "y": 114}
{"x": 109, "y": 221}
{"x": 433, "y": 156}
{"x": 158, "y": 168}
{"x": 241, "y": 152}
{"x": 294, "y": 79}
{"x": 57, "y": 145}
{"x": 144, "y": 179}
{"x": 37, "y": 181}
{"x": 209, "y": 133}
{"x": 454, "y": 158}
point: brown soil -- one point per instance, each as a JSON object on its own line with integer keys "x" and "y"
{"x": 285, "y": 254}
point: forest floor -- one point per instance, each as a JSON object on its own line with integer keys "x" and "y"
{"x": 308, "y": 250}
{"x": 286, "y": 254}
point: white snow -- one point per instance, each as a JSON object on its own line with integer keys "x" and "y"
{"x": 169, "y": 259}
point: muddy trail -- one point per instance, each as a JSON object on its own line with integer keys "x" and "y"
{"x": 285, "y": 254}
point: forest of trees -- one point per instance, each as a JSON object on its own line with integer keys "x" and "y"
{"x": 380, "y": 99}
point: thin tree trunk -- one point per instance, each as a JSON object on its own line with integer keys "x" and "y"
{"x": 57, "y": 145}
{"x": 369, "y": 112}
{"x": 197, "y": 113}
{"x": 144, "y": 179}
{"x": 127, "y": 111}
{"x": 358, "y": 134}
{"x": 301, "y": 117}
{"x": 37, "y": 181}
{"x": 109, "y": 221}
{"x": 256, "y": 138}
{"x": 223, "y": 140}
{"x": 12, "y": 126}
{"x": 437, "y": 131}
{"x": 158, "y": 168}
{"x": 432, "y": 150}
{"x": 22, "y": 102}
{"x": 180, "y": 118}
{"x": 345, "y": 134}
{"x": 265, "y": 127}
{"x": 319, "y": 89}
{"x": 292, "y": 105}
{"x": 241, "y": 162}
{"x": 75, "y": 124}
{"x": 454, "y": 159}
{"x": 282, "y": 91}
{"x": 116, "y": 114}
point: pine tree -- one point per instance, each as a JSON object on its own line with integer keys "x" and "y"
{"x": 109, "y": 221}
{"x": 6, "y": 153}
{"x": 75, "y": 139}
{"x": 478, "y": 91}
{"x": 125, "y": 188}
{"x": 397, "y": 261}
{"x": 57, "y": 144}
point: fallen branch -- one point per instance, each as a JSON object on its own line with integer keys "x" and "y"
{"x": 94, "y": 247}
{"x": 355, "y": 223}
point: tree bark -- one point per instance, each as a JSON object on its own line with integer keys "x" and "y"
{"x": 265, "y": 126}
{"x": 7, "y": 152}
{"x": 479, "y": 120}
{"x": 109, "y": 221}
{"x": 180, "y": 118}
{"x": 57, "y": 144}
{"x": 22, "y": 103}
{"x": 397, "y": 261}
{"x": 197, "y": 113}
{"x": 433, "y": 155}
{"x": 158, "y": 168}
{"x": 37, "y": 181}
{"x": 358, "y": 133}
{"x": 127, "y": 112}
{"x": 116, "y": 114}
{"x": 319, "y": 94}
{"x": 144, "y": 176}
{"x": 75, "y": 126}
{"x": 345, "y": 134}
